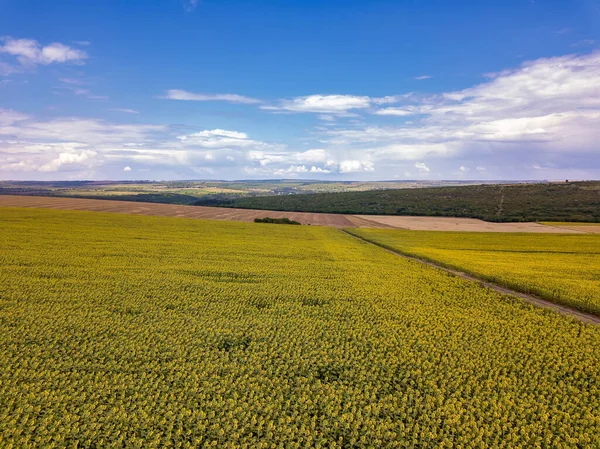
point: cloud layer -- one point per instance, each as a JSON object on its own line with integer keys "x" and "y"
{"x": 539, "y": 120}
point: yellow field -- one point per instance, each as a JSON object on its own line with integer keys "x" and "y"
{"x": 136, "y": 331}
{"x": 562, "y": 268}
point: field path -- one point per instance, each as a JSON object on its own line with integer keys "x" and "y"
{"x": 582, "y": 316}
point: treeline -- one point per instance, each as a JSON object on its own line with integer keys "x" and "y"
{"x": 283, "y": 220}
{"x": 565, "y": 201}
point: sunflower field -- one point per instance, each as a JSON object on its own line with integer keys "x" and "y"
{"x": 123, "y": 331}
{"x": 563, "y": 268}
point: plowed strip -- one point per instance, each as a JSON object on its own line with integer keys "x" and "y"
{"x": 171, "y": 210}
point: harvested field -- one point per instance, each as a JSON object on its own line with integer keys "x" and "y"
{"x": 462, "y": 224}
{"x": 589, "y": 228}
{"x": 172, "y": 210}
{"x": 319, "y": 219}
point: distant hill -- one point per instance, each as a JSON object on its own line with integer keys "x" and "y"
{"x": 565, "y": 201}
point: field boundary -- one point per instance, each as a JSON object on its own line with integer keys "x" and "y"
{"x": 529, "y": 298}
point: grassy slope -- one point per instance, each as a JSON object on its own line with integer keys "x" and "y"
{"x": 150, "y": 332}
{"x": 529, "y": 202}
{"x": 561, "y": 268}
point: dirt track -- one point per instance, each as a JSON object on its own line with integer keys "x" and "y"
{"x": 331, "y": 220}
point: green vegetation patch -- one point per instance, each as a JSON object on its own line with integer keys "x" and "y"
{"x": 283, "y": 220}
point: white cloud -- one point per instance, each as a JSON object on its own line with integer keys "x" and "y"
{"x": 329, "y": 105}
{"x": 314, "y": 169}
{"x": 313, "y": 156}
{"x": 31, "y": 52}
{"x": 423, "y": 77}
{"x": 220, "y": 133}
{"x": 177, "y": 94}
{"x": 85, "y": 157}
{"x": 325, "y": 104}
{"x": 353, "y": 166}
{"x": 326, "y": 117}
{"x": 388, "y": 99}
{"x": 9, "y": 117}
{"x": 126, "y": 169}
{"x": 292, "y": 170}
{"x": 127, "y": 111}
{"x": 400, "y": 112}
{"x": 265, "y": 158}
{"x": 422, "y": 167}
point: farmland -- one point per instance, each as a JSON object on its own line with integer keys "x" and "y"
{"x": 322, "y": 219}
{"x": 204, "y": 193}
{"x": 561, "y": 268}
{"x": 137, "y": 331}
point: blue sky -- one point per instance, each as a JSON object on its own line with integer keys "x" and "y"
{"x": 174, "y": 89}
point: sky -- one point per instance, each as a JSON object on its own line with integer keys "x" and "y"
{"x": 304, "y": 89}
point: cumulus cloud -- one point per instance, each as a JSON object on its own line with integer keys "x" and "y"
{"x": 177, "y": 94}
{"x": 314, "y": 169}
{"x": 85, "y": 157}
{"x": 327, "y": 106}
{"x": 422, "y": 167}
{"x": 30, "y": 52}
{"x": 351, "y": 166}
{"x": 126, "y": 169}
